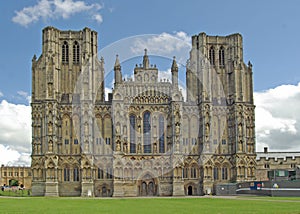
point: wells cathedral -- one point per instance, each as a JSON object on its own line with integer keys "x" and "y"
{"x": 148, "y": 138}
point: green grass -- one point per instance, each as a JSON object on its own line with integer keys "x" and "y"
{"x": 149, "y": 205}
{"x": 15, "y": 193}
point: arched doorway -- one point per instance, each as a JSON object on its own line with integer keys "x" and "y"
{"x": 147, "y": 186}
{"x": 190, "y": 190}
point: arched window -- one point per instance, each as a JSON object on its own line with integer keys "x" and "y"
{"x": 147, "y": 132}
{"x": 132, "y": 134}
{"x": 75, "y": 174}
{"x": 212, "y": 56}
{"x": 224, "y": 173}
{"x": 100, "y": 173}
{"x": 161, "y": 134}
{"x": 65, "y": 52}
{"x": 222, "y": 56}
{"x": 216, "y": 173}
{"x": 76, "y": 52}
{"x": 66, "y": 174}
{"x": 193, "y": 172}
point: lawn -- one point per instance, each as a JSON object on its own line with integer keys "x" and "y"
{"x": 149, "y": 205}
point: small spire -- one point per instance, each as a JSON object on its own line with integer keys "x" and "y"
{"x": 117, "y": 63}
{"x": 174, "y": 65}
{"x": 146, "y": 60}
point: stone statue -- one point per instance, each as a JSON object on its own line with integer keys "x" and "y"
{"x": 207, "y": 131}
{"x": 50, "y": 149}
{"x": 50, "y": 128}
{"x": 118, "y": 146}
{"x": 177, "y": 129}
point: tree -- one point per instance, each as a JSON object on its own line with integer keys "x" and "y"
{"x": 13, "y": 182}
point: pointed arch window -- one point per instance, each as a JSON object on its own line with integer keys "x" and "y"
{"x": 212, "y": 56}
{"x": 132, "y": 120}
{"x": 76, "y": 174}
{"x": 161, "y": 134}
{"x": 76, "y": 52}
{"x": 65, "y": 52}
{"x": 66, "y": 174}
{"x": 222, "y": 56}
{"x": 147, "y": 132}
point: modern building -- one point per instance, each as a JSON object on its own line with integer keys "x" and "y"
{"x": 20, "y": 173}
{"x": 146, "y": 139}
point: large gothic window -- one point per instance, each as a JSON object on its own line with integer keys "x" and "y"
{"x": 65, "y": 52}
{"x": 76, "y": 52}
{"x": 161, "y": 134}
{"x": 147, "y": 132}
{"x": 132, "y": 134}
{"x": 222, "y": 56}
{"x": 66, "y": 174}
{"x": 212, "y": 56}
{"x": 216, "y": 173}
{"x": 224, "y": 173}
{"x": 76, "y": 174}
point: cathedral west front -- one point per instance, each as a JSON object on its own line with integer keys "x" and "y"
{"x": 148, "y": 138}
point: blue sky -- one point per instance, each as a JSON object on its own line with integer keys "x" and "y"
{"x": 270, "y": 29}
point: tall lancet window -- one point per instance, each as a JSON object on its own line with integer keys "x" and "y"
{"x": 222, "y": 56}
{"x": 132, "y": 134}
{"x": 65, "y": 53}
{"x": 212, "y": 56}
{"x": 147, "y": 132}
{"x": 76, "y": 52}
{"x": 161, "y": 129}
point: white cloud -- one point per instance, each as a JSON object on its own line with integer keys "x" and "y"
{"x": 165, "y": 44}
{"x": 25, "y": 95}
{"x": 98, "y": 18}
{"x": 53, "y": 9}
{"x": 278, "y": 118}
{"x": 1, "y": 94}
{"x": 15, "y": 132}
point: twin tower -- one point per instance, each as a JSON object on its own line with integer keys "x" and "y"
{"x": 146, "y": 139}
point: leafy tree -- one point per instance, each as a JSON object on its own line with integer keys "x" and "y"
{"x": 14, "y": 182}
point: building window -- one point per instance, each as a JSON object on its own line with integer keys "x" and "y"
{"x": 193, "y": 172}
{"x": 224, "y": 174}
{"x": 194, "y": 141}
{"x": 212, "y": 56}
{"x": 100, "y": 173}
{"x": 216, "y": 173}
{"x": 161, "y": 134}
{"x": 10, "y": 173}
{"x": 16, "y": 174}
{"x": 147, "y": 132}
{"x": 107, "y": 141}
{"x": 29, "y": 173}
{"x": 223, "y": 142}
{"x": 76, "y": 52}
{"x": 21, "y": 174}
{"x": 222, "y": 56}
{"x": 66, "y": 141}
{"x": 4, "y": 174}
{"x": 65, "y": 52}
{"x": 293, "y": 165}
{"x": 132, "y": 134}
{"x": 109, "y": 173}
{"x": 66, "y": 174}
{"x": 215, "y": 141}
{"x": 185, "y": 172}
{"x": 75, "y": 141}
{"x": 75, "y": 174}
{"x": 267, "y": 166}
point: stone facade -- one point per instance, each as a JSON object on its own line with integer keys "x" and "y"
{"x": 19, "y": 173}
{"x": 269, "y": 162}
{"x": 146, "y": 139}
